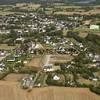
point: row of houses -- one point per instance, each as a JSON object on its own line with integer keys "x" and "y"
{"x": 33, "y": 22}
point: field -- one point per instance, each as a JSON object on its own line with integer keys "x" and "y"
{"x": 29, "y": 6}
{"x": 83, "y": 32}
{"x": 6, "y": 13}
{"x": 6, "y": 10}
{"x": 93, "y": 12}
{"x": 14, "y": 77}
{"x": 60, "y": 58}
{"x": 6, "y": 47}
{"x": 35, "y": 63}
{"x": 85, "y": 81}
{"x": 70, "y": 10}
{"x": 12, "y": 91}
{"x": 38, "y": 62}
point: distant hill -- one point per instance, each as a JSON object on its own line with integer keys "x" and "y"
{"x": 68, "y": 1}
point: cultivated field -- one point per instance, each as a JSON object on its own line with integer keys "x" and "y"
{"x": 14, "y": 77}
{"x": 12, "y": 91}
{"x": 52, "y": 59}
{"x": 35, "y": 63}
{"x": 93, "y": 12}
{"x": 30, "y": 6}
{"x": 85, "y": 81}
{"x": 70, "y": 10}
{"x": 6, "y": 47}
{"x": 60, "y": 58}
{"x": 6, "y": 10}
{"x": 83, "y": 34}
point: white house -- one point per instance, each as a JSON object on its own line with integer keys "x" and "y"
{"x": 56, "y": 78}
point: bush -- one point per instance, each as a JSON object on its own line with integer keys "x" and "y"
{"x": 95, "y": 90}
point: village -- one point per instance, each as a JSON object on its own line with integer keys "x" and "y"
{"x": 47, "y": 51}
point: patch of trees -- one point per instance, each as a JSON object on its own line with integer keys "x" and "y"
{"x": 74, "y": 35}
{"x": 88, "y": 17}
{"x": 93, "y": 38}
{"x": 95, "y": 90}
{"x": 92, "y": 41}
{"x": 55, "y": 33}
{"x": 8, "y": 38}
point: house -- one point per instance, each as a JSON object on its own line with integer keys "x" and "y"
{"x": 11, "y": 60}
{"x": 2, "y": 65}
{"x": 20, "y": 39}
{"x": 56, "y": 78}
{"x": 2, "y": 53}
{"x": 1, "y": 69}
{"x": 38, "y": 48}
{"x": 48, "y": 67}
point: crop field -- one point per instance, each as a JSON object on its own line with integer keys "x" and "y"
{"x": 35, "y": 63}
{"x": 85, "y": 81}
{"x": 93, "y": 12}
{"x": 6, "y": 47}
{"x": 29, "y": 6}
{"x": 6, "y": 10}
{"x": 14, "y": 77}
{"x": 70, "y": 10}
{"x": 60, "y": 58}
{"x": 83, "y": 34}
{"x": 12, "y": 91}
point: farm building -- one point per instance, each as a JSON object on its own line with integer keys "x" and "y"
{"x": 94, "y": 27}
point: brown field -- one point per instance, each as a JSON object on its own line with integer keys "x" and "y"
{"x": 83, "y": 34}
{"x": 14, "y": 77}
{"x": 91, "y": 12}
{"x": 35, "y": 63}
{"x": 28, "y": 6}
{"x": 82, "y": 13}
{"x": 6, "y": 47}
{"x": 66, "y": 10}
{"x": 64, "y": 6}
{"x": 12, "y": 91}
{"x": 84, "y": 81}
{"x": 60, "y": 58}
